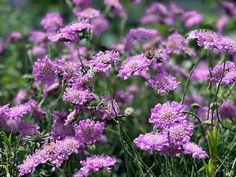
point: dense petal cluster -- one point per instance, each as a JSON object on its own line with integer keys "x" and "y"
{"x": 139, "y": 35}
{"x": 163, "y": 83}
{"x": 76, "y": 96}
{"x": 88, "y": 131}
{"x": 95, "y": 163}
{"x": 165, "y": 115}
{"x": 52, "y": 21}
{"x": 213, "y": 41}
{"x": 54, "y": 152}
{"x": 134, "y": 65}
{"x": 227, "y": 109}
{"x": 151, "y": 141}
{"x": 70, "y": 32}
{"x": 201, "y": 72}
{"x": 194, "y": 150}
{"x": 102, "y": 61}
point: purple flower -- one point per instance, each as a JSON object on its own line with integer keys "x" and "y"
{"x": 76, "y": 96}
{"x": 52, "y": 21}
{"x": 163, "y": 83}
{"x": 179, "y": 133}
{"x": 19, "y": 111}
{"x": 28, "y": 129}
{"x": 14, "y": 36}
{"x": 82, "y": 3}
{"x": 88, "y": 131}
{"x": 134, "y": 65}
{"x": 217, "y": 72}
{"x": 201, "y": 72}
{"x": 70, "y": 32}
{"x": 38, "y": 51}
{"x": 229, "y": 78}
{"x": 157, "y": 8}
{"x": 220, "y": 25}
{"x": 109, "y": 109}
{"x": 4, "y": 111}
{"x": 227, "y": 109}
{"x": 103, "y": 61}
{"x": 213, "y": 41}
{"x": 195, "y": 150}
{"x": 88, "y": 13}
{"x": 191, "y": 18}
{"x": 151, "y": 141}
{"x": 95, "y": 163}
{"x": 59, "y": 129}
{"x": 20, "y": 97}
{"x": 99, "y": 25}
{"x": 229, "y": 8}
{"x": 176, "y": 44}
{"x": 138, "y": 35}
{"x": 165, "y": 115}
{"x": 44, "y": 70}
{"x": 37, "y": 37}
{"x": 115, "y": 7}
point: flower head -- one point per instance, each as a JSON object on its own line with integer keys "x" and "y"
{"x": 151, "y": 141}
{"x": 165, "y": 115}
{"x": 134, "y": 65}
{"x": 95, "y": 163}
{"x": 227, "y": 109}
{"x": 195, "y": 150}
{"x": 52, "y": 21}
{"x": 103, "y": 61}
{"x": 88, "y": 131}
{"x": 163, "y": 83}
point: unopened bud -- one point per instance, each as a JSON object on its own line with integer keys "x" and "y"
{"x": 129, "y": 111}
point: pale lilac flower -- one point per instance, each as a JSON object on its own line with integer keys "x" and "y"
{"x": 19, "y": 111}
{"x": 229, "y": 78}
{"x": 52, "y": 21}
{"x": 163, "y": 83}
{"x": 4, "y": 111}
{"x": 191, "y": 18}
{"x": 14, "y": 36}
{"x": 221, "y": 23}
{"x": 229, "y": 8}
{"x": 38, "y": 51}
{"x": 151, "y": 141}
{"x": 70, "y": 32}
{"x": 99, "y": 25}
{"x": 102, "y": 61}
{"x": 88, "y": 13}
{"x": 213, "y": 41}
{"x": 83, "y": 3}
{"x": 134, "y": 65}
{"x": 109, "y": 109}
{"x": 28, "y": 129}
{"x": 167, "y": 114}
{"x": 44, "y": 70}
{"x": 116, "y": 7}
{"x": 37, "y": 37}
{"x": 76, "y": 96}
{"x": 201, "y": 72}
{"x": 138, "y": 35}
{"x": 179, "y": 133}
{"x": 194, "y": 150}
{"x": 227, "y": 110}
{"x": 217, "y": 72}
{"x": 59, "y": 129}
{"x": 20, "y": 97}
{"x": 88, "y": 131}
{"x": 157, "y": 8}
{"x": 95, "y": 163}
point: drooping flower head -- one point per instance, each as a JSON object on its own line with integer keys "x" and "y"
{"x": 134, "y": 65}
{"x": 194, "y": 150}
{"x": 88, "y": 131}
{"x": 52, "y": 21}
{"x": 116, "y": 8}
{"x": 191, "y": 18}
{"x": 151, "y": 141}
{"x": 213, "y": 41}
{"x": 165, "y": 115}
{"x": 44, "y": 70}
{"x": 103, "y": 61}
{"x": 27, "y": 129}
{"x": 99, "y": 25}
{"x": 163, "y": 83}
{"x": 95, "y": 163}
